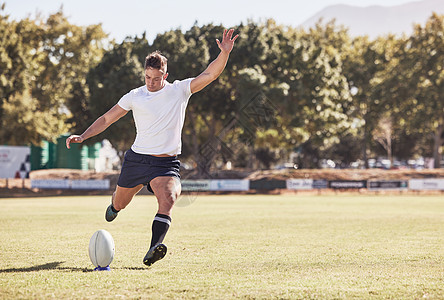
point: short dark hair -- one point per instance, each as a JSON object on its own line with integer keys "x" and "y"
{"x": 156, "y": 60}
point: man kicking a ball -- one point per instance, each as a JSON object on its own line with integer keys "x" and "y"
{"x": 159, "y": 113}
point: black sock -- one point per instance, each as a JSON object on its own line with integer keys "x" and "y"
{"x": 160, "y": 227}
{"x": 113, "y": 209}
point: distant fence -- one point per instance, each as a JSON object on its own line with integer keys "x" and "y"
{"x": 242, "y": 185}
{"x": 436, "y": 184}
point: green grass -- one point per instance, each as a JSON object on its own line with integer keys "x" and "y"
{"x": 225, "y": 247}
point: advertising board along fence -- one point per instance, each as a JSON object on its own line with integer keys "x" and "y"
{"x": 66, "y": 184}
{"x": 388, "y": 185}
{"x": 427, "y": 184}
{"x": 239, "y": 185}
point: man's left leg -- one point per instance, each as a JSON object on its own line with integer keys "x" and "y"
{"x": 167, "y": 190}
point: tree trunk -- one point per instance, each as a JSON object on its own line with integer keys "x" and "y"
{"x": 438, "y": 141}
{"x": 364, "y": 146}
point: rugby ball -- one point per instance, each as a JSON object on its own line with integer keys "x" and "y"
{"x": 101, "y": 248}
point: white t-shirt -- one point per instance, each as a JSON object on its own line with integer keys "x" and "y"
{"x": 159, "y": 117}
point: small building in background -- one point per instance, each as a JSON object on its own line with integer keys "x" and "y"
{"x": 55, "y": 155}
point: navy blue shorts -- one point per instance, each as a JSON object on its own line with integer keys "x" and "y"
{"x": 142, "y": 168}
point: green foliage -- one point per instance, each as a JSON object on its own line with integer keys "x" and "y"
{"x": 119, "y": 72}
{"x": 43, "y": 68}
{"x": 322, "y": 88}
{"x": 12, "y": 62}
{"x": 23, "y": 118}
{"x": 426, "y": 81}
{"x": 364, "y": 61}
{"x": 316, "y": 97}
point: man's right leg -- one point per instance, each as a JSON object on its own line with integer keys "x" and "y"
{"x": 120, "y": 199}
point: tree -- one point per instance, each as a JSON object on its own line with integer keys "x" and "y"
{"x": 414, "y": 81}
{"x": 210, "y": 112}
{"x": 21, "y": 118}
{"x": 13, "y": 76}
{"x": 425, "y": 56}
{"x": 23, "y": 123}
{"x": 43, "y": 62}
{"x": 118, "y": 72}
{"x": 79, "y": 102}
{"x": 318, "y": 100}
{"x": 238, "y": 109}
{"x": 383, "y": 134}
{"x": 68, "y": 52}
{"x": 364, "y": 66}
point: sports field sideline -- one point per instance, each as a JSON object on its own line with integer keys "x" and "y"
{"x": 225, "y": 247}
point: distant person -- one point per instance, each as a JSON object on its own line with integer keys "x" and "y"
{"x": 159, "y": 113}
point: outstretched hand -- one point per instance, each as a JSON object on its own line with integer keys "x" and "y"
{"x": 227, "y": 41}
{"x": 73, "y": 139}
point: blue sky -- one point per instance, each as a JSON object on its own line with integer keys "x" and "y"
{"x": 133, "y": 17}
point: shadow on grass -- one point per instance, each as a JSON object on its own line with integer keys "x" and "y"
{"x": 56, "y": 266}
{"x": 134, "y": 268}
{"x": 49, "y": 266}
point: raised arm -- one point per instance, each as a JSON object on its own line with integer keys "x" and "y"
{"x": 216, "y": 67}
{"x": 103, "y": 122}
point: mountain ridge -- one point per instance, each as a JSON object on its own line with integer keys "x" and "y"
{"x": 376, "y": 20}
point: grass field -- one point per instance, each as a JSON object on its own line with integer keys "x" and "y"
{"x": 225, "y": 247}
